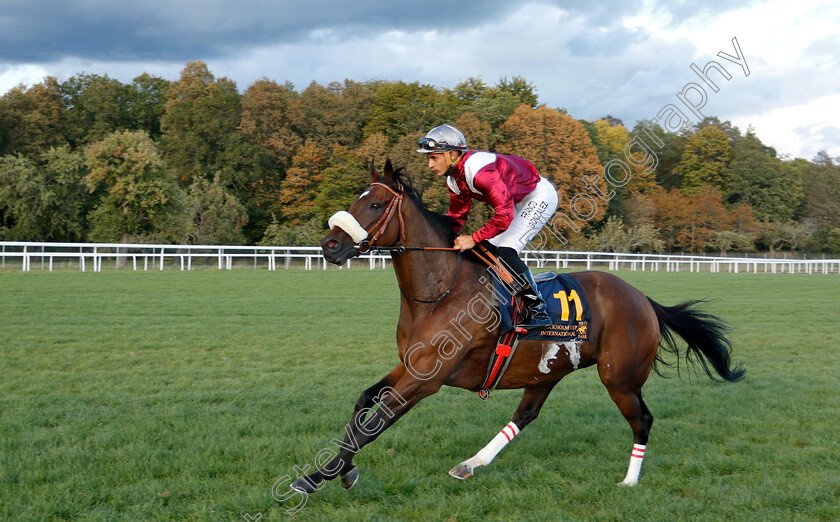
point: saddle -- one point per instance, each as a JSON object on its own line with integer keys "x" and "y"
{"x": 567, "y": 306}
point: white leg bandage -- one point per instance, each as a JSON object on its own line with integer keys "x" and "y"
{"x": 346, "y": 222}
{"x": 636, "y": 458}
{"x": 465, "y": 469}
{"x": 489, "y": 452}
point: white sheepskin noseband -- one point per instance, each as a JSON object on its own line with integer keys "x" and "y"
{"x": 346, "y": 222}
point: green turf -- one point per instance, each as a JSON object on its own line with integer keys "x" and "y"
{"x": 187, "y": 395}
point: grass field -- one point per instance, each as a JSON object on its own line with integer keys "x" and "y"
{"x": 187, "y": 395}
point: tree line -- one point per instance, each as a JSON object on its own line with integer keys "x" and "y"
{"x": 196, "y": 161}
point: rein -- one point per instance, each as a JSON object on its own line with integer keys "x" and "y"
{"x": 443, "y": 295}
{"x": 395, "y": 206}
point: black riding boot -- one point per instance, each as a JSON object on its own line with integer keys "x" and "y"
{"x": 525, "y": 287}
{"x": 537, "y": 313}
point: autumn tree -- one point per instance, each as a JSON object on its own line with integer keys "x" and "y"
{"x": 691, "y": 222}
{"x": 479, "y": 133}
{"x": 375, "y": 147}
{"x": 268, "y": 115}
{"x": 30, "y": 119}
{"x": 341, "y": 180}
{"x": 706, "y": 216}
{"x": 560, "y": 148}
{"x": 670, "y": 216}
{"x": 296, "y": 199}
{"x": 635, "y": 174}
{"x": 140, "y": 200}
{"x": 639, "y": 209}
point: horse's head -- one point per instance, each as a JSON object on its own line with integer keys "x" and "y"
{"x": 374, "y": 218}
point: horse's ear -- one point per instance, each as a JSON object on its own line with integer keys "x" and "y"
{"x": 389, "y": 172}
{"x": 374, "y": 175}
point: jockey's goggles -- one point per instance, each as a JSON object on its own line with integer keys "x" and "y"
{"x": 431, "y": 145}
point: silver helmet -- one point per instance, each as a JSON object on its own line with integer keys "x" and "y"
{"x": 441, "y": 139}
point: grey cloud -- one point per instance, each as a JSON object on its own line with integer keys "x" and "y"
{"x": 43, "y": 30}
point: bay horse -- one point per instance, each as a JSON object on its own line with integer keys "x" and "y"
{"x": 445, "y": 336}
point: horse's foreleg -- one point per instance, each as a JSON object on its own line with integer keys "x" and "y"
{"x": 364, "y": 427}
{"x": 527, "y": 411}
{"x": 368, "y": 398}
{"x": 371, "y": 396}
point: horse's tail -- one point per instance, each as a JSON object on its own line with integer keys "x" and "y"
{"x": 705, "y": 334}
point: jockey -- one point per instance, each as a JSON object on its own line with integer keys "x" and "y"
{"x": 522, "y": 201}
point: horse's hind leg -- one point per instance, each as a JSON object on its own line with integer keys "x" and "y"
{"x": 527, "y": 411}
{"x": 636, "y": 412}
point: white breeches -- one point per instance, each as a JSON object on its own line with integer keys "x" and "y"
{"x": 530, "y": 215}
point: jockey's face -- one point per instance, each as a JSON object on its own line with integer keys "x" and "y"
{"x": 438, "y": 163}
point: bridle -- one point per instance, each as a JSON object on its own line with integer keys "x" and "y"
{"x": 393, "y": 208}
{"x": 380, "y": 226}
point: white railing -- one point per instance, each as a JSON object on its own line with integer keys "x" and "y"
{"x": 678, "y": 262}
{"x": 90, "y": 256}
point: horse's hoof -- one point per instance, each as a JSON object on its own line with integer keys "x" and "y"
{"x": 461, "y": 471}
{"x": 349, "y": 479}
{"x": 627, "y": 484}
{"x": 303, "y": 486}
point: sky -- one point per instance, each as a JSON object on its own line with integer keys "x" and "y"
{"x": 625, "y": 59}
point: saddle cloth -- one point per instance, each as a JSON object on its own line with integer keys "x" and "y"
{"x": 567, "y": 306}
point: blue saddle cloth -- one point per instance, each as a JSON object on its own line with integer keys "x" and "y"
{"x": 567, "y": 306}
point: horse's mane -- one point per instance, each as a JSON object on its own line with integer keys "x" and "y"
{"x": 439, "y": 222}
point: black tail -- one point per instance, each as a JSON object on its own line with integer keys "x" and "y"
{"x": 705, "y": 334}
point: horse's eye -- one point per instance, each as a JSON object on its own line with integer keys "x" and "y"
{"x": 375, "y": 206}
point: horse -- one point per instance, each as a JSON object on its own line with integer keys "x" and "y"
{"x": 443, "y": 337}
